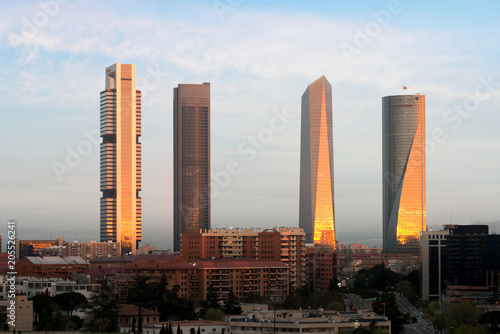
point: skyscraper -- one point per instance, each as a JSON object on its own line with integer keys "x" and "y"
{"x": 316, "y": 211}
{"x": 403, "y": 165}
{"x": 191, "y": 159}
{"x": 121, "y": 158}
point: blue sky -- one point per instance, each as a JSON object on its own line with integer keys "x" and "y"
{"x": 259, "y": 57}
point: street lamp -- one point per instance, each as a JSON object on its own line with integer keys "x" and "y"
{"x": 276, "y": 298}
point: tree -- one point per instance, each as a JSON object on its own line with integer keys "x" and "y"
{"x": 133, "y": 325}
{"x": 461, "y": 314}
{"x": 468, "y": 329}
{"x": 179, "y": 329}
{"x": 103, "y": 310}
{"x": 192, "y": 331}
{"x": 211, "y": 301}
{"x": 139, "y": 322}
{"x": 214, "y": 314}
{"x": 336, "y": 306}
{"x": 163, "y": 330}
{"x": 491, "y": 320}
{"x": 199, "y": 330}
{"x": 70, "y": 301}
{"x": 42, "y": 306}
{"x": 231, "y": 305}
{"x": 170, "y": 331}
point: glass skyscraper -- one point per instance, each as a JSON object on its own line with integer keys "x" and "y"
{"x": 316, "y": 211}
{"x": 403, "y": 166}
{"x": 120, "y": 154}
{"x": 191, "y": 159}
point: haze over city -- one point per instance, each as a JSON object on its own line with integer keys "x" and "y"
{"x": 259, "y": 57}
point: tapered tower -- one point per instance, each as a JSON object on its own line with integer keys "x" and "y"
{"x": 317, "y": 211}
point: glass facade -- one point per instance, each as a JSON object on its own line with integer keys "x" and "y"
{"x": 317, "y": 214}
{"x": 191, "y": 159}
{"x": 403, "y": 131}
{"x": 121, "y": 158}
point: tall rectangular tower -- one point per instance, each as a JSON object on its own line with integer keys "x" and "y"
{"x": 403, "y": 166}
{"x": 121, "y": 158}
{"x": 191, "y": 159}
{"x": 316, "y": 211}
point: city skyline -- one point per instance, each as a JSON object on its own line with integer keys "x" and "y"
{"x": 258, "y": 57}
{"x": 317, "y": 200}
{"x": 403, "y": 172}
{"x": 191, "y": 159}
{"x": 120, "y": 155}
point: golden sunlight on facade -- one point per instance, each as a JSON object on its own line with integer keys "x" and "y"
{"x": 121, "y": 158}
{"x": 403, "y": 172}
{"x": 317, "y": 213}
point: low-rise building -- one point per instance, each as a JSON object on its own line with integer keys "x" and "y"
{"x": 303, "y": 321}
{"x": 65, "y": 267}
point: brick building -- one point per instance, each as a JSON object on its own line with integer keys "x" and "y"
{"x": 243, "y": 277}
{"x": 321, "y": 267}
{"x": 280, "y": 244}
{"x": 65, "y": 267}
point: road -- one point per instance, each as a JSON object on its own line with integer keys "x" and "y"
{"x": 422, "y": 326}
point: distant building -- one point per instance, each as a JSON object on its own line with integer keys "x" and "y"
{"x": 403, "y": 168}
{"x": 113, "y": 261}
{"x": 321, "y": 267}
{"x": 86, "y": 250}
{"x": 120, "y": 149}
{"x": 243, "y": 277}
{"x": 33, "y": 247}
{"x": 281, "y": 244}
{"x": 316, "y": 207}
{"x": 307, "y": 321}
{"x": 191, "y": 159}
{"x": 65, "y": 267}
{"x": 358, "y": 249}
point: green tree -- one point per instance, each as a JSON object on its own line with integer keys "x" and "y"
{"x": 70, "y": 301}
{"x": 468, "y": 329}
{"x": 192, "y": 331}
{"x": 231, "y": 305}
{"x": 214, "y": 314}
{"x": 461, "y": 314}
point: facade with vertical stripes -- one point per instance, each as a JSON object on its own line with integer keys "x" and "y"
{"x": 120, "y": 153}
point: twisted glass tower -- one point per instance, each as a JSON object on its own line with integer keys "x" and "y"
{"x": 316, "y": 211}
{"x": 121, "y": 158}
{"x": 403, "y": 165}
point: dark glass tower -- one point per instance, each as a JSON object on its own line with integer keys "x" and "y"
{"x": 403, "y": 165}
{"x": 316, "y": 210}
{"x": 191, "y": 159}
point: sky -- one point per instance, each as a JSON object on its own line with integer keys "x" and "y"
{"x": 259, "y": 57}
